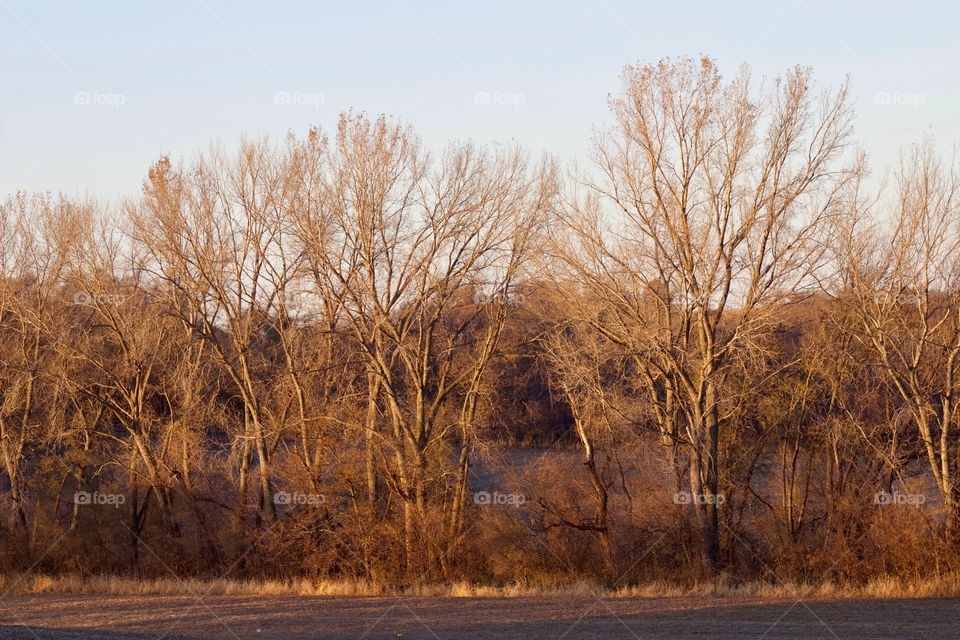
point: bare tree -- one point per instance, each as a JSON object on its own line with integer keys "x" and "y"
{"x": 401, "y": 241}
{"x": 120, "y": 341}
{"x": 214, "y": 233}
{"x": 36, "y": 237}
{"x": 903, "y": 286}
{"x": 709, "y": 207}
{"x": 583, "y": 369}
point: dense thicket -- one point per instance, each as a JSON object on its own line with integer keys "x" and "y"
{"x": 712, "y": 350}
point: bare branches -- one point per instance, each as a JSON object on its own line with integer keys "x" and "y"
{"x": 710, "y": 210}
{"x": 332, "y": 344}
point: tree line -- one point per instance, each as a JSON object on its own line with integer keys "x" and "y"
{"x": 716, "y": 347}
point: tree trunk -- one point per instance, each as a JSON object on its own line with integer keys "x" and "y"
{"x": 373, "y": 387}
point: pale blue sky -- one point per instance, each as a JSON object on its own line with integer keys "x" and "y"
{"x": 92, "y": 92}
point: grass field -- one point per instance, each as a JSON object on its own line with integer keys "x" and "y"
{"x": 59, "y": 617}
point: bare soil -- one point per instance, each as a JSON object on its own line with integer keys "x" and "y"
{"x": 59, "y": 617}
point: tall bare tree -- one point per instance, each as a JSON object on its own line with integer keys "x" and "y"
{"x": 707, "y": 207}
{"x": 214, "y": 232}
{"x": 401, "y": 242}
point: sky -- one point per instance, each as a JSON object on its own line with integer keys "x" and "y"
{"x": 92, "y": 92}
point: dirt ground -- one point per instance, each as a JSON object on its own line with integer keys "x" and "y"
{"x": 59, "y": 617}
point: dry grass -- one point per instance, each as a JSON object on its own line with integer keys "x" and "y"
{"x": 888, "y": 587}
{"x": 114, "y": 585}
{"x": 947, "y": 586}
